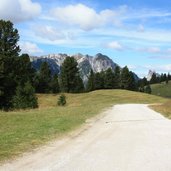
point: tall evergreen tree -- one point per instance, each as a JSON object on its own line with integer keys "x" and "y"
{"x": 90, "y": 83}
{"x": 54, "y": 84}
{"x": 79, "y": 85}
{"x": 99, "y": 80}
{"x": 69, "y": 78}
{"x": 169, "y": 76}
{"x": 154, "y": 78}
{"x": 132, "y": 82}
{"x": 25, "y": 71}
{"x": 117, "y": 77}
{"x": 142, "y": 83}
{"x": 9, "y": 51}
{"x": 43, "y": 79}
{"x": 9, "y": 38}
{"x": 125, "y": 78}
{"x": 109, "y": 79}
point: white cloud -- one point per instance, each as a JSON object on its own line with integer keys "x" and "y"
{"x": 19, "y": 10}
{"x": 150, "y": 50}
{"x": 150, "y": 35}
{"x": 161, "y": 68}
{"x": 30, "y": 48}
{"x": 85, "y": 17}
{"x": 156, "y": 67}
{"x": 145, "y": 13}
{"x": 166, "y": 68}
{"x": 114, "y": 45}
{"x": 49, "y": 32}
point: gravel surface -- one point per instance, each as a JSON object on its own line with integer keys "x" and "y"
{"x": 129, "y": 137}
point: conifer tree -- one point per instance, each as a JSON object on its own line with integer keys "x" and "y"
{"x": 154, "y": 78}
{"x": 99, "y": 80}
{"x": 43, "y": 79}
{"x": 25, "y": 71}
{"x": 117, "y": 77}
{"x": 132, "y": 82}
{"x": 125, "y": 78}
{"x": 147, "y": 89}
{"x": 70, "y": 80}
{"x": 109, "y": 79}
{"x": 25, "y": 97}
{"x": 9, "y": 51}
{"x": 54, "y": 84}
{"x": 9, "y": 38}
{"x": 79, "y": 88}
{"x": 90, "y": 83}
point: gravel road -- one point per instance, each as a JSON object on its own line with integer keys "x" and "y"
{"x": 129, "y": 137}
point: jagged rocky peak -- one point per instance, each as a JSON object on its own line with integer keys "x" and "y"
{"x": 150, "y": 73}
{"x": 78, "y": 56}
{"x": 100, "y": 56}
{"x": 97, "y": 63}
{"x": 102, "y": 62}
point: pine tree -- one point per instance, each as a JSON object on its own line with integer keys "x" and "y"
{"x": 25, "y": 71}
{"x": 147, "y": 89}
{"x": 90, "y": 83}
{"x": 125, "y": 78}
{"x": 99, "y": 80}
{"x": 62, "y": 100}
{"x": 70, "y": 78}
{"x": 117, "y": 77}
{"x": 54, "y": 84}
{"x": 79, "y": 88}
{"x": 169, "y": 76}
{"x": 43, "y": 79}
{"x": 25, "y": 97}
{"x": 15, "y": 70}
{"x": 142, "y": 83}
{"x": 9, "y": 51}
{"x": 109, "y": 79}
{"x": 154, "y": 78}
{"x": 9, "y": 38}
{"x": 167, "y": 79}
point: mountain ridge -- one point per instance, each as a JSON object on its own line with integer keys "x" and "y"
{"x": 97, "y": 63}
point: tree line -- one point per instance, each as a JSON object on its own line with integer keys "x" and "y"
{"x": 156, "y": 78}
{"x": 19, "y": 81}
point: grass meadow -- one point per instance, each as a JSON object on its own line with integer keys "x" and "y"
{"x": 162, "y": 89}
{"x": 24, "y": 130}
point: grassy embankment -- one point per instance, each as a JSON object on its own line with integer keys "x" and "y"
{"x": 162, "y": 89}
{"x": 24, "y": 130}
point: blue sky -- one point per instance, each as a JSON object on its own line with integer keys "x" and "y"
{"x": 133, "y": 33}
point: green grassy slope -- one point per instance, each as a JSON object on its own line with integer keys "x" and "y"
{"x": 23, "y": 130}
{"x": 162, "y": 89}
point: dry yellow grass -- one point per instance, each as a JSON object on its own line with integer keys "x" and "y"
{"x": 23, "y": 130}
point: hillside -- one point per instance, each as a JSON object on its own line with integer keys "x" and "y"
{"x": 25, "y": 130}
{"x": 162, "y": 89}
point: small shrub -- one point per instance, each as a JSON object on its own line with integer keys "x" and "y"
{"x": 25, "y": 97}
{"x": 62, "y": 100}
{"x": 148, "y": 89}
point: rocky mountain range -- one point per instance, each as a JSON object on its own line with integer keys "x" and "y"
{"x": 97, "y": 63}
{"x": 150, "y": 74}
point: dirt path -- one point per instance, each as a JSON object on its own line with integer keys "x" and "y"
{"x": 128, "y": 137}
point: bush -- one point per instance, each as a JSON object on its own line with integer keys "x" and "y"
{"x": 147, "y": 89}
{"x": 62, "y": 100}
{"x": 25, "y": 97}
